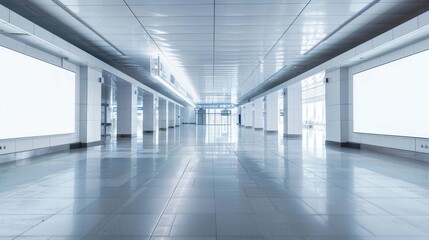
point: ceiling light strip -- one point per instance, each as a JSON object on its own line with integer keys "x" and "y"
{"x": 174, "y": 90}
{"x": 154, "y": 42}
{"x": 358, "y": 14}
{"x": 66, "y": 9}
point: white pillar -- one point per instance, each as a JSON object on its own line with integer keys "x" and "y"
{"x": 163, "y": 114}
{"x": 127, "y": 110}
{"x": 292, "y": 108}
{"x": 149, "y": 112}
{"x": 178, "y": 116}
{"x": 249, "y": 115}
{"x": 259, "y": 114}
{"x": 272, "y": 112}
{"x": 90, "y": 107}
{"x": 243, "y": 115}
{"x": 188, "y": 114}
{"x": 337, "y": 106}
{"x": 171, "y": 115}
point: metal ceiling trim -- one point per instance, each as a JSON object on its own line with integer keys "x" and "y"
{"x": 358, "y": 14}
{"x": 72, "y": 14}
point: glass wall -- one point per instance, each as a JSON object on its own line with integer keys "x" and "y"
{"x": 313, "y": 103}
{"x": 216, "y": 116}
{"x": 108, "y": 110}
{"x": 140, "y": 114}
{"x": 281, "y": 113}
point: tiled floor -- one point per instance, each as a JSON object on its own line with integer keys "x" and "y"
{"x": 215, "y": 183}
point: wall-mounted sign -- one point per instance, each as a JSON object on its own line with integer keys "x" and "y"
{"x": 160, "y": 69}
{"x": 216, "y": 106}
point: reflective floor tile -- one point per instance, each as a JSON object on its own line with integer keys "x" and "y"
{"x": 194, "y": 225}
{"x": 103, "y": 206}
{"x": 13, "y": 225}
{"x": 130, "y": 225}
{"x": 67, "y": 225}
{"x": 401, "y": 206}
{"x": 388, "y": 226}
{"x": 233, "y": 206}
{"x": 238, "y": 225}
{"x": 191, "y": 206}
{"x": 214, "y": 183}
{"x": 143, "y": 206}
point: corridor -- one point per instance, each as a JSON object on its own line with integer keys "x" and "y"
{"x": 215, "y": 182}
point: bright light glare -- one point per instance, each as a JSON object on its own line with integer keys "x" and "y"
{"x": 174, "y": 90}
{"x": 391, "y": 99}
{"x": 36, "y": 98}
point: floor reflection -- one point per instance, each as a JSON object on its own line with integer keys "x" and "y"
{"x": 215, "y": 182}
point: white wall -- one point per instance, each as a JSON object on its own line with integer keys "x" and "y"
{"x": 171, "y": 115}
{"x": 188, "y": 114}
{"x": 259, "y": 113}
{"x": 178, "y": 115}
{"x": 31, "y": 143}
{"x": 292, "y": 109}
{"x": 272, "y": 112}
{"x": 88, "y": 94}
{"x": 149, "y": 112}
{"x": 163, "y": 113}
{"x": 247, "y": 115}
{"x": 404, "y": 143}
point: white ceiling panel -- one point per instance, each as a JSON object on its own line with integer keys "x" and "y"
{"x": 261, "y": 2}
{"x": 160, "y": 30}
{"x": 176, "y": 21}
{"x": 100, "y": 11}
{"x": 334, "y": 9}
{"x": 226, "y": 48}
{"x": 173, "y": 10}
{"x": 259, "y": 9}
{"x": 92, "y": 2}
{"x": 265, "y": 20}
{"x": 168, "y": 2}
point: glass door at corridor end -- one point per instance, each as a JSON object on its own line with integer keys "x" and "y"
{"x": 218, "y": 117}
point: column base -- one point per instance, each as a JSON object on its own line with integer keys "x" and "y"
{"x": 177, "y": 126}
{"x": 149, "y": 132}
{"x": 248, "y": 127}
{"x": 126, "y": 135}
{"x": 271, "y": 131}
{"x": 292, "y": 136}
{"x": 163, "y": 129}
{"x": 171, "y": 127}
{"x": 87, "y": 145}
{"x": 259, "y": 129}
{"x": 343, "y": 144}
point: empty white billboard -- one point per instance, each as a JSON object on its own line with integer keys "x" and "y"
{"x": 392, "y": 99}
{"x": 36, "y": 98}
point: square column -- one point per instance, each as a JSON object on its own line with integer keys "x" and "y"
{"x": 178, "y": 116}
{"x": 259, "y": 114}
{"x": 90, "y": 107}
{"x": 189, "y": 115}
{"x": 163, "y": 114}
{"x": 249, "y": 115}
{"x": 337, "y": 106}
{"x": 171, "y": 115}
{"x": 127, "y": 110}
{"x": 272, "y": 113}
{"x": 149, "y": 112}
{"x": 292, "y": 105}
